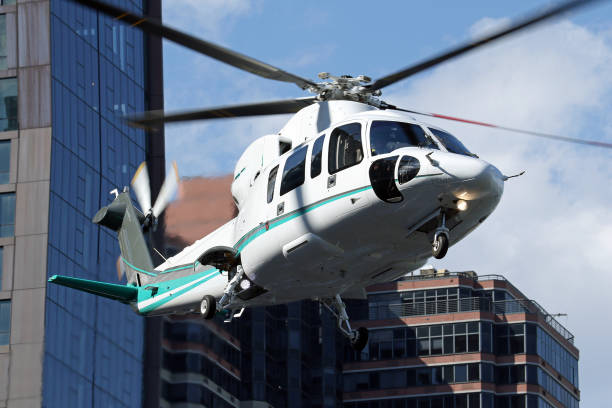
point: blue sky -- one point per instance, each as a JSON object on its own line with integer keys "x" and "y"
{"x": 551, "y": 234}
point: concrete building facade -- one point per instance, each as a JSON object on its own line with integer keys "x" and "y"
{"x": 67, "y": 75}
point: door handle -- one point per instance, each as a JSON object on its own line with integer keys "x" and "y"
{"x": 280, "y": 208}
{"x": 331, "y": 181}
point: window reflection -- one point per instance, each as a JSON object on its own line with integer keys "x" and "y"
{"x": 7, "y": 214}
{"x": 387, "y": 136}
{"x": 5, "y": 161}
{"x": 316, "y": 157}
{"x": 3, "y": 48}
{"x": 345, "y": 148}
{"x": 294, "y": 171}
{"x": 271, "y": 184}
{"x": 5, "y": 321}
{"x": 451, "y": 143}
{"x": 8, "y": 104}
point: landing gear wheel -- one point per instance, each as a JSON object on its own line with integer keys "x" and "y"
{"x": 208, "y": 307}
{"x": 440, "y": 246}
{"x": 360, "y": 340}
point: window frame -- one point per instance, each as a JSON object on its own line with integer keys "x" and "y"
{"x": 5, "y": 331}
{"x": 318, "y": 139}
{"x": 297, "y": 151}
{"x": 9, "y": 142}
{"x": 441, "y": 142}
{"x": 7, "y": 118}
{"x": 14, "y": 209}
{"x": 328, "y": 144}
{"x": 426, "y": 133}
{"x": 270, "y": 193}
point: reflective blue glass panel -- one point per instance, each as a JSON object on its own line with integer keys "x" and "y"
{"x": 94, "y": 346}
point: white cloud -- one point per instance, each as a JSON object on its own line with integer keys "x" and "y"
{"x": 552, "y": 233}
{"x": 208, "y": 19}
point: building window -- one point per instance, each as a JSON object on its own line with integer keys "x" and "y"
{"x": 415, "y": 377}
{"x": 3, "y": 48}
{"x": 7, "y": 2}
{"x": 421, "y": 341}
{"x": 510, "y": 339}
{"x": 7, "y": 214}
{"x": 8, "y": 104}
{"x": 1, "y": 257}
{"x": 557, "y": 356}
{"x": 5, "y": 160}
{"x": 5, "y": 321}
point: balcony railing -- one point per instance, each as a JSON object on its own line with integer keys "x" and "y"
{"x": 472, "y": 304}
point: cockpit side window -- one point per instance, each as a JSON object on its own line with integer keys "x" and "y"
{"x": 451, "y": 143}
{"x": 345, "y": 148}
{"x": 387, "y": 136}
{"x": 272, "y": 183}
{"x": 316, "y": 157}
{"x": 294, "y": 171}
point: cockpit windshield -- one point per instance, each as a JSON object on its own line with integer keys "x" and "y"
{"x": 387, "y": 136}
{"x": 451, "y": 143}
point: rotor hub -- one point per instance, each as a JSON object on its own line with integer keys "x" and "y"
{"x": 346, "y": 88}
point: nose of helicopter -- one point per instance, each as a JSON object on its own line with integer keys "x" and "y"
{"x": 478, "y": 179}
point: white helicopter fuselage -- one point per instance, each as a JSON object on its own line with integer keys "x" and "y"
{"x": 313, "y": 226}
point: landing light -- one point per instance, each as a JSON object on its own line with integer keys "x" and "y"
{"x": 245, "y": 284}
{"x": 462, "y": 205}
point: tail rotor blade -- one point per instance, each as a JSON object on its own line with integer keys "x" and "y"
{"x": 141, "y": 187}
{"x": 120, "y": 269}
{"x": 167, "y": 191}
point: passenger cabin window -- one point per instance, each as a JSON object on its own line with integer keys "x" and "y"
{"x": 316, "y": 158}
{"x": 294, "y": 171}
{"x": 386, "y": 136}
{"x": 451, "y": 143}
{"x": 345, "y": 148}
{"x": 271, "y": 183}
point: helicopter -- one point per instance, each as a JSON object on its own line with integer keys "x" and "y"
{"x": 352, "y": 191}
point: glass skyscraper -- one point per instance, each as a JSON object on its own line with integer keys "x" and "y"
{"x": 67, "y": 76}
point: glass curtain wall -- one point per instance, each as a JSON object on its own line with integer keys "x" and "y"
{"x": 93, "y": 344}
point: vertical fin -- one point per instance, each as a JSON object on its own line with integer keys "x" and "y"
{"x": 134, "y": 250}
{"x": 122, "y": 217}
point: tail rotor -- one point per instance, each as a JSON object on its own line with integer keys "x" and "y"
{"x": 142, "y": 189}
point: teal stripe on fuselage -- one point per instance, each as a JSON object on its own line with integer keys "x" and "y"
{"x": 261, "y": 229}
{"x": 168, "y": 286}
{"x": 138, "y": 269}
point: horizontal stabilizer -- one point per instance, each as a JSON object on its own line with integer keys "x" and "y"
{"x": 113, "y": 291}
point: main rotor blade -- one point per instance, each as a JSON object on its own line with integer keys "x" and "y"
{"x": 217, "y": 52}
{"x": 457, "y": 51}
{"x": 527, "y": 132}
{"x": 156, "y": 118}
